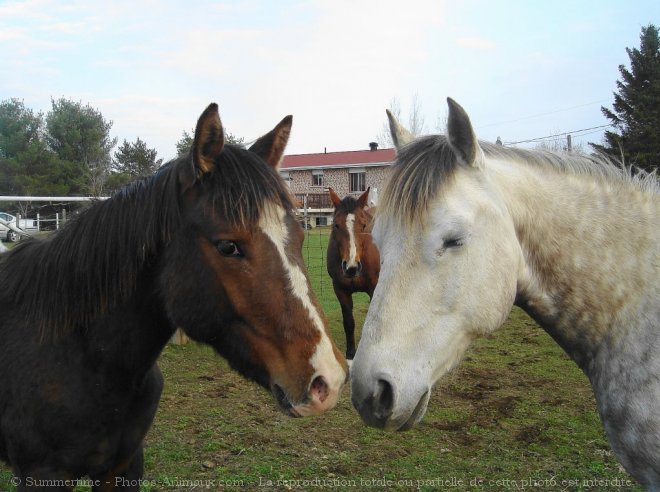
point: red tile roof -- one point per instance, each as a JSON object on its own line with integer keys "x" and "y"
{"x": 338, "y": 159}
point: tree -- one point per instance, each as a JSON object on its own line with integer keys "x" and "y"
{"x": 635, "y": 115}
{"x": 19, "y": 128}
{"x": 184, "y": 144}
{"x": 79, "y": 134}
{"x": 29, "y": 167}
{"x": 136, "y": 159}
{"x": 132, "y": 160}
{"x": 416, "y": 123}
{"x": 559, "y": 143}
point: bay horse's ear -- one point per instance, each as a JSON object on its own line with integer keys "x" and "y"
{"x": 208, "y": 143}
{"x": 334, "y": 198}
{"x": 362, "y": 201}
{"x": 400, "y": 136}
{"x": 209, "y": 140}
{"x": 271, "y": 146}
{"x": 460, "y": 134}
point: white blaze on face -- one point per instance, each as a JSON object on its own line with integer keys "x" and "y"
{"x": 323, "y": 361}
{"x": 352, "y": 249}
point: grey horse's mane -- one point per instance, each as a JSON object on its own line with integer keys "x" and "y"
{"x": 426, "y": 164}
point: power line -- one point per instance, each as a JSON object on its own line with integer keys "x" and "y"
{"x": 541, "y": 114}
{"x": 537, "y": 139}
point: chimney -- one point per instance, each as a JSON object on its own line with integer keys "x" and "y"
{"x": 373, "y": 146}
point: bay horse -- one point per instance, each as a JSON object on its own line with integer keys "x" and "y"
{"x": 466, "y": 229}
{"x": 209, "y": 243}
{"x": 353, "y": 259}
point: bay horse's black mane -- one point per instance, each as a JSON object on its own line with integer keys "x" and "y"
{"x": 95, "y": 262}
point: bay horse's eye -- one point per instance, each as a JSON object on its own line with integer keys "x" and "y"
{"x": 228, "y": 248}
{"x": 336, "y": 226}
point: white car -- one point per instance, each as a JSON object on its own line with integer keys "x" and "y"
{"x": 8, "y": 234}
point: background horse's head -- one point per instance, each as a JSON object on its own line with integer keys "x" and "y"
{"x": 234, "y": 277}
{"x": 350, "y": 222}
{"x": 450, "y": 261}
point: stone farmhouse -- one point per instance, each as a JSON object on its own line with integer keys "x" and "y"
{"x": 348, "y": 173}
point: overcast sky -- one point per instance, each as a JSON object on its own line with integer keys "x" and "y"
{"x": 522, "y": 69}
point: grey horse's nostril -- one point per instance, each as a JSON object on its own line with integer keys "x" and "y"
{"x": 383, "y": 399}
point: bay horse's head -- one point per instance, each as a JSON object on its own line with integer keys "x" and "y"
{"x": 350, "y": 222}
{"x": 235, "y": 277}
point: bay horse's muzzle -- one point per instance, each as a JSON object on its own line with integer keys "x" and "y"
{"x": 351, "y": 271}
{"x": 320, "y": 397}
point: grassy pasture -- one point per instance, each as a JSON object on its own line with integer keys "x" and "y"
{"x": 516, "y": 415}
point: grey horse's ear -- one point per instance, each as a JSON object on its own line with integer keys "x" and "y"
{"x": 460, "y": 134}
{"x": 400, "y": 136}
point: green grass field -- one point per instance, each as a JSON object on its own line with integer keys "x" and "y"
{"x": 516, "y": 415}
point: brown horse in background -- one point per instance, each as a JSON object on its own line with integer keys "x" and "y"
{"x": 353, "y": 259}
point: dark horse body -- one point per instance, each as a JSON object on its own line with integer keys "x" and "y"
{"x": 86, "y": 312}
{"x": 353, "y": 259}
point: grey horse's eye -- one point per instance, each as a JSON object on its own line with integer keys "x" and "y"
{"x": 452, "y": 243}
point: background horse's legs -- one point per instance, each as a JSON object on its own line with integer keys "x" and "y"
{"x": 126, "y": 477}
{"x": 346, "y": 302}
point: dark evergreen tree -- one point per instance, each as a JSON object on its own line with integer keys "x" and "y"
{"x": 136, "y": 159}
{"x": 184, "y": 144}
{"x": 132, "y": 160}
{"x": 636, "y": 109}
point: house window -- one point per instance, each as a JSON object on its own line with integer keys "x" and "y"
{"x": 317, "y": 178}
{"x": 286, "y": 177}
{"x": 321, "y": 221}
{"x": 357, "y": 181}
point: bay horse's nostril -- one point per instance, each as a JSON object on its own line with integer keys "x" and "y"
{"x": 319, "y": 389}
{"x": 383, "y": 400}
{"x": 353, "y": 271}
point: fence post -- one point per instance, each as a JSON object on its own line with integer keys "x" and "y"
{"x": 64, "y": 216}
{"x": 38, "y": 222}
{"x": 305, "y": 208}
{"x": 57, "y": 221}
